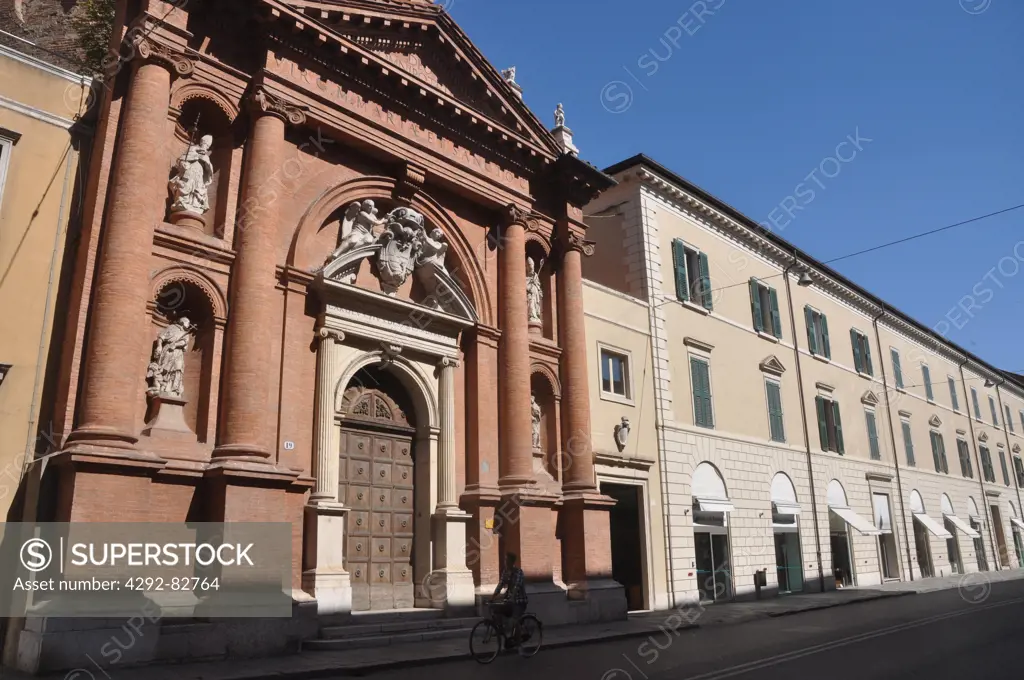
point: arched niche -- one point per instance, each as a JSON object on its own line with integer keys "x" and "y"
{"x": 200, "y": 110}
{"x": 708, "y": 483}
{"x": 972, "y": 508}
{"x": 946, "y": 505}
{"x": 836, "y": 495}
{"x": 545, "y": 389}
{"x": 783, "y": 490}
{"x": 916, "y": 503}
{"x": 538, "y": 252}
{"x": 317, "y": 236}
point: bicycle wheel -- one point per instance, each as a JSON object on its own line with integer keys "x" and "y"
{"x": 485, "y": 642}
{"x": 531, "y": 634}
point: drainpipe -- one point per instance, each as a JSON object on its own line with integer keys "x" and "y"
{"x": 892, "y": 440}
{"x": 1009, "y": 451}
{"x": 969, "y": 405}
{"x": 803, "y": 420}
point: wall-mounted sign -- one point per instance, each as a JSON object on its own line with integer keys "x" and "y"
{"x": 288, "y": 446}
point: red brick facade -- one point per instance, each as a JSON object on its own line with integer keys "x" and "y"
{"x": 311, "y": 109}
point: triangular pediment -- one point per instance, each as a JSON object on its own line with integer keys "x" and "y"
{"x": 934, "y": 421}
{"x": 869, "y": 398}
{"x": 772, "y": 365}
{"x": 983, "y": 437}
{"x": 417, "y": 46}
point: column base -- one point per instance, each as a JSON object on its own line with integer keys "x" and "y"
{"x": 328, "y": 581}
{"x": 241, "y": 451}
{"x": 450, "y": 585}
{"x": 586, "y": 537}
{"x": 100, "y": 436}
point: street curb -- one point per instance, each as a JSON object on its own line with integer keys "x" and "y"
{"x": 832, "y": 605}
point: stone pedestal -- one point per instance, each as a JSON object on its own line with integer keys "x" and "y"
{"x": 168, "y": 421}
{"x": 327, "y": 581}
{"x": 450, "y": 584}
{"x": 185, "y": 218}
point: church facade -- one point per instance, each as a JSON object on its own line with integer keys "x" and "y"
{"x": 331, "y": 275}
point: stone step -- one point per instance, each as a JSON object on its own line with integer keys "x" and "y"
{"x": 358, "y": 630}
{"x": 367, "y": 641}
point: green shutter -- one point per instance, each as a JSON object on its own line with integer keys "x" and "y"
{"x": 839, "y": 427}
{"x": 819, "y": 402}
{"x": 873, "y": 436}
{"x": 867, "y": 356}
{"x": 812, "y": 340}
{"x": 908, "y": 444}
{"x": 701, "y": 393}
{"x": 679, "y": 263}
{"x": 705, "y": 281}
{"x": 824, "y": 337}
{"x": 935, "y": 451}
{"x": 977, "y": 404}
{"x": 775, "y": 423}
{"x": 773, "y": 298}
{"x": 855, "y": 341}
{"x": 897, "y": 371}
{"x": 755, "y": 305}
{"x": 1009, "y": 418}
{"x": 942, "y": 453}
{"x": 927, "y": 375}
{"x": 952, "y": 395}
{"x": 970, "y": 464}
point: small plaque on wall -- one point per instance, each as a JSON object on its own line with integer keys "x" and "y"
{"x": 288, "y": 446}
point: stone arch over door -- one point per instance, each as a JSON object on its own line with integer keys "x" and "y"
{"x": 377, "y": 482}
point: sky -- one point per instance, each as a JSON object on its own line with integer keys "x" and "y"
{"x": 752, "y": 100}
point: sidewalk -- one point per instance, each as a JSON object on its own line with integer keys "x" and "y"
{"x": 318, "y": 664}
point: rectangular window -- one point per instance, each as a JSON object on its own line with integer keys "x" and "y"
{"x": 953, "y": 401}
{"x": 1002, "y": 465}
{"x": 966, "y": 469}
{"x": 692, "y": 274}
{"x": 897, "y": 370}
{"x": 861, "y": 352}
{"x": 5, "y": 159}
{"x": 764, "y": 308}
{"x": 927, "y": 376}
{"x": 817, "y": 332}
{"x": 939, "y": 453}
{"x": 776, "y": 426}
{"x": 1018, "y": 467}
{"x": 986, "y": 464}
{"x": 700, "y": 378}
{"x": 830, "y": 425}
{"x": 1009, "y": 418}
{"x": 615, "y": 374}
{"x": 876, "y": 454}
{"x": 995, "y": 412}
{"x": 977, "y": 405}
{"x": 908, "y": 443}
{"x": 1021, "y": 414}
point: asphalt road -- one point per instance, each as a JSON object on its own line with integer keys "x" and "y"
{"x": 975, "y": 633}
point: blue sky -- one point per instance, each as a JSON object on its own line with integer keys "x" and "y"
{"x": 750, "y": 98}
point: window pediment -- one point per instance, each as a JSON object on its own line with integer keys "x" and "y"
{"x": 983, "y": 437}
{"x": 934, "y": 421}
{"x": 869, "y": 398}
{"x": 772, "y": 365}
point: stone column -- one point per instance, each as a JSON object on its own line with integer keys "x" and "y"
{"x": 325, "y": 457}
{"x": 446, "y": 449}
{"x": 516, "y": 457}
{"x": 246, "y": 384}
{"x": 114, "y": 352}
{"x": 579, "y": 466}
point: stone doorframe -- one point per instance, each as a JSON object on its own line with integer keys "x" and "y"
{"x": 358, "y": 328}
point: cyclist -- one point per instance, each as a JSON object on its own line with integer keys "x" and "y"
{"x": 514, "y": 583}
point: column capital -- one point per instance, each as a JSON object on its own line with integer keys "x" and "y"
{"x": 149, "y": 51}
{"x": 577, "y": 242}
{"x": 516, "y": 215}
{"x": 262, "y": 102}
{"x": 324, "y": 333}
{"x": 448, "y": 362}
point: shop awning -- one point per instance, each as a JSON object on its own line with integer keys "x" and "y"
{"x": 854, "y": 520}
{"x": 932, "y": 526}
{"x": 962, "y": 526}
{"x": 714, "y": 505}
{"x": 1017, "y": 523}
{"x": 786, "y": 508}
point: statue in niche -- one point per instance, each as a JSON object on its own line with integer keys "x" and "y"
{"x": 193, "y": 176}
{"x": 357, "y": 228}
{"x": 167, "y": 364}
{"x": 535, "y": 414}
{"x": 534, "y": 290}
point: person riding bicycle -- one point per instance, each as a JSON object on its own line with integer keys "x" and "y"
{"x": 514, "y": 582}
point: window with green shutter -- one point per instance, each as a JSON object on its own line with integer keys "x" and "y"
{"x": 977, "y": 404}
{"x": 817, "y": 332}
{"x": 1002, "y": 465}
{"x": 700, "y": 378}
{"x": 764, "y": 308}
{"x": 776, "y": 428}
{"x": 679, "y": 264}
{"x": 1021, "y": 414}
{"x": 987, "y": 471}
{"x": 908, "y": 444}
{"x": 926, "y": 375}
{"x": 830, "y": 425}
{"x": 861, "y": 352}
{"x": 1018, "y": 467}
{"x": 966, "y": 469}
{"x": 692, "y": 275}
{"x": 1009, "y": 418}
{"x": 704, "y": 283}
{"x": 939, "y": 452}
{"x": 995, "y": 412}
{"x": 953, "y": 401}
{"x": 897, "y": 371}
{"x": 876, "y": 454}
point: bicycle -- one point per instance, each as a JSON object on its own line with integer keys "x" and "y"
{"x": 489, "y": 636}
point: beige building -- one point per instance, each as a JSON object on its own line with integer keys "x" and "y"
{"x": 40, "y": 174}
{"x": 809, "y": 435}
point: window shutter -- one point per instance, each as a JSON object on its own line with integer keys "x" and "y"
{"x": 773, "y": 297}
{"x": 927, "y": 375}
{"x": 897, "y": 371}
{"x": 819, "y": 402}
{"x": 1009, "y": 419}
{"x": 775, "y": 424}
{"x": 977, "y": 404}
{"x": 679, "y": 263}
{"x": 755, "y": 305}
{"x": 873, "y": 436}
{"x": 812, "y": 340}
{"x": 701, "y": 393}
{"x": 970, "y": 464}
{"x": 855, "y": 341}
{"x": 705, "y": 281}
{"x": 839, "y": 427}
{"x": 952, "y": 394}
{"x": 908, "y": 444}
{"x": 867, "y": 356}
{"x": 942, "y": 452}
{"x": 824, "y": 337}
{"x": 935, "y": 451}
